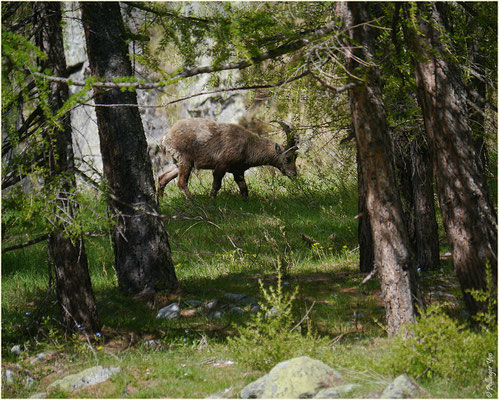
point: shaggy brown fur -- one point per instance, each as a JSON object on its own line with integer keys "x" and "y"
{"x": 204, "y": 144}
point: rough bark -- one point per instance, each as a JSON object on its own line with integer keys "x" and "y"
{"x": 364, "y": 235}
{"x": 73, "y": 286}
{"x": 393, "y": 255}
{"x": 416, "y": 188}
{"x": 423, "y": 203}
{"x": 468, "y": 216}
{"x": 141, "y": 248}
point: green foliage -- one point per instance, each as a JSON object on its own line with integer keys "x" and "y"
{"x": 438, "y": 347}
{"x": 271, "y": 335}
{"x": 487, "y": 319}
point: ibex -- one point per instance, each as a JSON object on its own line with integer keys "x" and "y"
{"x": 203, "y": 144}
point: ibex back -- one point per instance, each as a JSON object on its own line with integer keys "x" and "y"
{"x": 204, "y": 144}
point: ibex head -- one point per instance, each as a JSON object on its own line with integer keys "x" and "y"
{"x": 287, "y": 155}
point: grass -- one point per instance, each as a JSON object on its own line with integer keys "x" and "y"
{"x": 220, "y": 246}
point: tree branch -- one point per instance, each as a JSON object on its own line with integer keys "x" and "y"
{"x": 271, "y": 54}
{"x": 253, "y": 87}
{"x": 163, "y": 13}
{"x": 26, "y": 244}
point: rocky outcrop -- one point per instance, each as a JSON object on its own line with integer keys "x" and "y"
{"x": 403, "y": 387}
{"x": 301, "y": 377}
{"x": 87, "y": 377}
{"x": 306, "y": 378}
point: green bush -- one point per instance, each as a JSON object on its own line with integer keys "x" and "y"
{"x": 437, "y": 347}
{"x": 272, "y": 335}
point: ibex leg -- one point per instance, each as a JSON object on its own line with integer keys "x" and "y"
{"x": 165, "y": 178}
{"x": 239, "y": 178}
{"x": 184, "y": 171}
{"x": 217, "y": 181}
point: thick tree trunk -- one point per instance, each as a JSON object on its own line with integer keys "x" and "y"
{"x": 469, "y": 218}
{"x": 73, "y": 286}
{"x": 393, "y": 255}
{"x": 416, "y": 188}
{"x": 365, "y": 237}
{"x": 141, "y": 248}
{"x": 423, "y": 203}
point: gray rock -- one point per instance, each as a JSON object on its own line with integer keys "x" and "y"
{"x": 87, "y": 377}
{"x": 20, "y": 375}
{"x": 215, "y": 314}
{"x": 236, "y": 309}
{"x": 249, "y": 300}
{"x": 16, "y": 350}
{"x": 335, "y": 392}
{"x": 8, "y": 376}
{"x": 153, "y": 343}
{"x": 255, "y": 309}
{"x": 171, "y": 311}
{"x": 403, "y": 387}
{"x": 211, "y": 305}
{"x": 194, "y": 303}
{"x": 38, "y": 395}
{"x": 300, "y": 377}
{"x": 40, "y": 357}
{"x": 234, "y": 296}
{"x": 30, "y": 380}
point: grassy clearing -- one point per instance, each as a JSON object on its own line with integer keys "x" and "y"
{"x": 228, "y": 245}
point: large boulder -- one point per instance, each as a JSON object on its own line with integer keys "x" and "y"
{"x": 300, "y": 377}
{"x": 87, "y": 377}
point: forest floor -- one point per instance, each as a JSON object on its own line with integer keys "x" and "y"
{"x": 305, "y": 235}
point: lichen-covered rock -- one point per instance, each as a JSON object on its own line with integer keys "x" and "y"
{"x": 300, "y": 377}
{"x": 403, "y": 387}
{"x": 87, "y": 377}
{"x": 335, "y": 392}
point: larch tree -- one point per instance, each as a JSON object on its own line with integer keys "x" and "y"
{"x": 141, "y": 248}
{"x": 469, "y": 218}
{"x": 392, "y": 250}
{"x": 73, "y": 287}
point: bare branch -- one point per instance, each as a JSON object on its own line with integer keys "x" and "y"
{"x": 253, "y": 87}
{"x": 26, "y": 244}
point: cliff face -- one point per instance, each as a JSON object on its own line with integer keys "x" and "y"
{"x": 226, "y": 108}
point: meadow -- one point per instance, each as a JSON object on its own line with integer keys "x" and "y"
{"x": 293, "y": 246}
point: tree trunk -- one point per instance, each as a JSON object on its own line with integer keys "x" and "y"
{"x": 423, "y": 203}
{"x": 141, "y": 248}
{"x": 393, "y": 254}
{"x": 416, "y": 188}
{"x": 365, "y": 237}
{"x": 73, "y": 286}
{"x": 469, "y": 218}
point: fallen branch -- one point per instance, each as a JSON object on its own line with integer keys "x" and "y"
{"x": 368, "y": 277}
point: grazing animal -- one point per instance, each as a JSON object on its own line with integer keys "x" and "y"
{"x": 203, "y": 144}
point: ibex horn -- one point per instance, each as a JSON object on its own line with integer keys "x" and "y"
{"x": 290, "y": 134}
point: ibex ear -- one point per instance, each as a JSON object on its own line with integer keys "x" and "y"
{"x": 278, "y": 149}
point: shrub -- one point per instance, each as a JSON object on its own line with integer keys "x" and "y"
{"x": 272, "y": 335}
{"x": 438, "y": 347}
